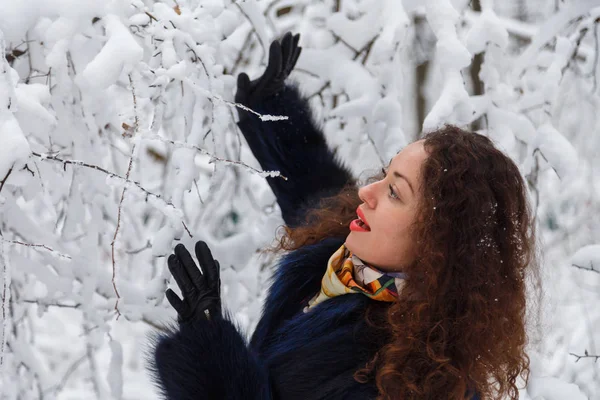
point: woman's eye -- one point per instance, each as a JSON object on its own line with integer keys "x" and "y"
{"x": 383, "y": 172}
{"x": 393, "y": 194}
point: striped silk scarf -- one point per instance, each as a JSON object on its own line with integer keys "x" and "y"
{"x": 347, "y": 274}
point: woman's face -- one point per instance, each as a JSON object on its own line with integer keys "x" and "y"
{"x": 383, "y": 238}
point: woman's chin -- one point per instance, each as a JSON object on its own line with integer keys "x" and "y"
{"x": 352, "y": 243}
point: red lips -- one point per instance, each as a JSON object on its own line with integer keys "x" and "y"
{"x": 361, "y": 215}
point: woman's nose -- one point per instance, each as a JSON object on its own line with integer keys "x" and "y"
{"x": 367, "y": 195}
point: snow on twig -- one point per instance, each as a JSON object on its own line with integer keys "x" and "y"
{"x": 263, "y": 117}
{"x": 214, "y": 158}
{"x": 79, "y": 163}
{"x": 5, "y": 302}
{"x": 38, "y": 246}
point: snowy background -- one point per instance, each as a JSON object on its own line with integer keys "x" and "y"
{"x": 118, "y": 140}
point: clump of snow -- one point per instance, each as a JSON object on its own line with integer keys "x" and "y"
{"x": 15, "y": 148}
{"x": 487, "y": 29}
{"x": 115, "y": 370}
{"x": 587, "y": 257}
{"x": 120, "y": 52}
{"x": 454, "y": 104}
{"x": 550, "y": 388}
{"x": 559, "y": 152}
{"x": 266, "y": 117}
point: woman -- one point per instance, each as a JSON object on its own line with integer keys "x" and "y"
{"x": 412, "y": 289}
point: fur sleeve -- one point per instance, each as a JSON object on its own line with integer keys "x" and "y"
{"x": 298, "y": 149}
{"x": 207, "y": 360}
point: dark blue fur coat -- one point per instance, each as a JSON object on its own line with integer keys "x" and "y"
{"x": 291, "y": 355}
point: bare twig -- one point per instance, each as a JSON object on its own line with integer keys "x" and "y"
{"x": 545, "y": 159}
{"x": 90, "y": 352}
{"x": 370, "y": 139}
{"x": 596, "y": 357}
{"x": 136, "y": 251}
{"x": 581, "y": 34}
{"x": 152, "y": 17}
{"x": 532, "y": 181}
{"x": 186, "y": 229}
{"x": 591, "y": 267}
{"x": 28, "y": 51}
{"x": 320, "y": 92}
{"x": 191, "y": 43}
{"x": 198, "y": 192}
{"x": 26, "y": 168}
{"x": 250, "y": 21}
{"x": 136, "y": 128}
{"x": 535, "y": 107}
{"x": 5, "y": 300}
{"x": 5, "y": 178}
{"x": 595, "y": 66}
{"x": 68, "y": 373}
{"x": 348, "y": 45}
{"x": 366, "y": 49}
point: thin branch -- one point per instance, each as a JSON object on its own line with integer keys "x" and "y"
{"x": 60, "y": 305}
{"x": 348, "y": 45}
{"x": 136, "y": 127}
{"x": 155, "y": 325}
{"x": 5, "y": 294}
{"x": 535, "y": 107}
{"x": 596, "y": 357}
{"x": 5, "y": 178}
{"x": 214, "y": 158}
{"x": 320, "y": 91}
{"x": 90, "y": 351}
{"x": 26, "y": 168}
{"x": 597, "y": 50}
{"x": 147, "y": 246}
{"x": 532, "y": 180}
{"x": 582, "y": 32}
{"x": 370, "y": 139}
{"x": 591, "y": 267}
{"x": 198, "y": 192}
{"x": 537, "y": 149}
{"x": 98, "y": 168}
{"x": 152, "y": 17}
{"x": 264, "y": 47}
{"x": 42, "y": 246}
{"x": 68, "y": 374}
{"x": 209, "y": 95}
{"x": 186, "y": 229}
{"x": 28, "y": 51}
{"x": 366, "y": 49}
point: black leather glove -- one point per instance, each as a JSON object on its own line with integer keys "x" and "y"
{"x": 282, "y": 59}
{"x": 201, "y": 291}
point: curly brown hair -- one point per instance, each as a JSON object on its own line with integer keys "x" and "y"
{"x": 459, "y": 324}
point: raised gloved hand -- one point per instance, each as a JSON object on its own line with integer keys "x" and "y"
{"x": 201, "y": 291}
{"x": 282, "y": 59}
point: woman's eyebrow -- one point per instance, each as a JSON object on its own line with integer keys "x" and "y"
{"x": 399, "y": 175}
